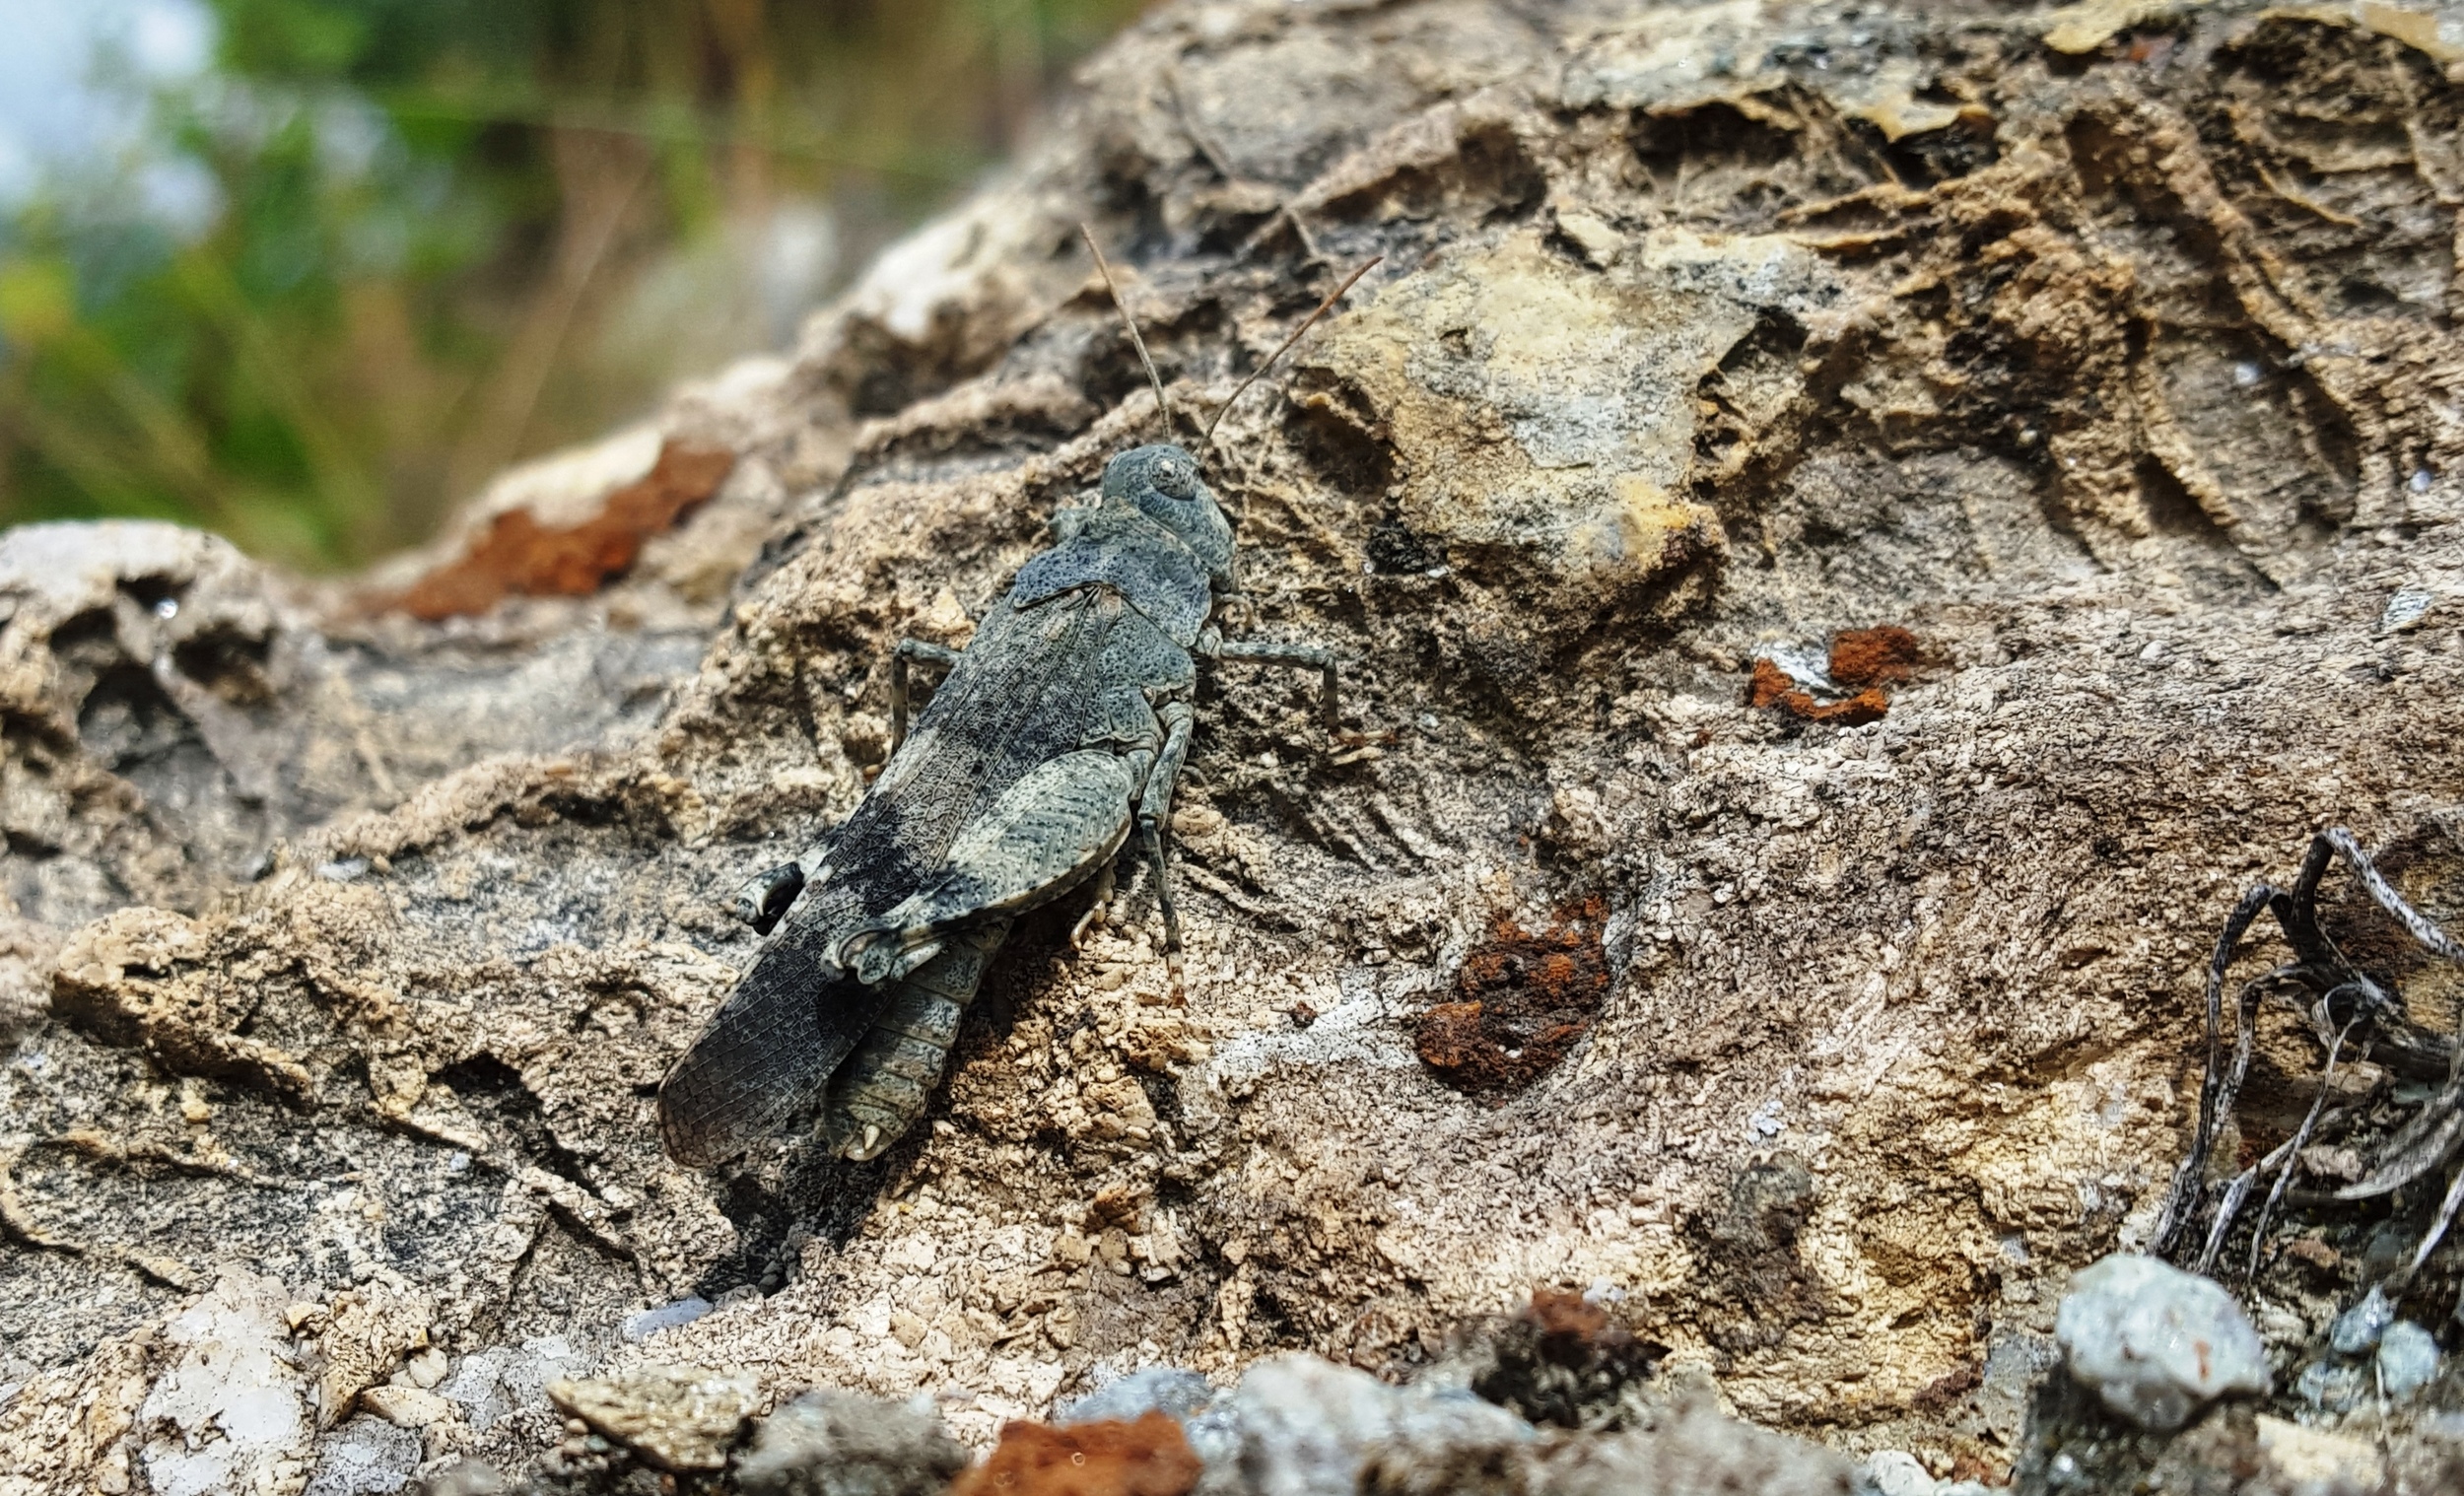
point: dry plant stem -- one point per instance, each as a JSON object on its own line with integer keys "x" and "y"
{"x": 2292, "y": 1150}
{"x": 2425, "y": 1142}
{"x": 2439, "y": 1228}
{"x": 1136, "y": 338}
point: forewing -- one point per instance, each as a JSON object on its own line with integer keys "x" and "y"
{"x": 1028, "y": 690}
{"x": 1020, "y": 695}
{"x": 766, "y": 1055}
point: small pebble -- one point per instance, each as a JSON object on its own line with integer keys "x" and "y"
{"x": 2357, "y": 1328}
{"x": 2156, "y": 1343}
{"x": 1153, "y": 1388}
{"x": 650, "y": 1321}
{"x": 1894, "y": 1473}
{"x": 2407, "y": 1357}
{"x": 2330, "y": 1386}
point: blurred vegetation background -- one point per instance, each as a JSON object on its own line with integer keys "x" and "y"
{"x": 352, "y": 256}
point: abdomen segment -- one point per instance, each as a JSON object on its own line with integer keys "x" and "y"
{"x": 885, "y": 1085}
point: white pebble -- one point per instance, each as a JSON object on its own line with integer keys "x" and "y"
{"x": 2156, "y": 1343}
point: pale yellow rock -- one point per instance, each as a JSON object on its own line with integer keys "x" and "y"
{"x": 2311, "y": 1462}
{"x": 371, "y": 1327}
{"x": 677, "y": 1418}
{"x": 426, "y": 1367}
{"x": 1544, "y": 417}
{"x": 1592, "y": 235}
{"x": 2083, "y": 28}
{"x": 406, "y": 1406}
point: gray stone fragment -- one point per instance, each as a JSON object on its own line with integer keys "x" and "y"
{"x": 650, "y": 1321}
{"x": 1214, "y": 1435}
{"x": 1208, "y": 1419}
{"x": 831, "y": 1443}
{"x": 366, "y": 1456}
{"x": 1153, "y": 1388}
{"x": 495, "y": 1384}
{"x": 465, "y": 1478}
{"x": 1893, "y": 1473}
{"x": 1307, "y": 1427}
{"x": 2406, "y": 608}
{"x": 2156, "y": 1343}
{"x": 2357, "y": 1328}
{"x": 2407, "y": 1357}
{"x": 2330, "y": 1386}
{"x": 1693, "y": 1449}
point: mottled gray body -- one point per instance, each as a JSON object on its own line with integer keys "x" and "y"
{"x": 1056, "y": 737}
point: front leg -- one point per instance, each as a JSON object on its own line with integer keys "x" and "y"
{"x": 1297, "y": 657}
{"x": 907, "y": 649}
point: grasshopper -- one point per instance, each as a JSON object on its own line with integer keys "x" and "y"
{"x": 1052, "y": 743}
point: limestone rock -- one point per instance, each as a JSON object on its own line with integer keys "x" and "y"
{"x": 369, "y": 1332}
{"x": 680, "y": 1418}
{"x": 406, "y": 1406}
{"x": 2408, "y": 1358}
{"x": 229, "y": 1413}
{"x": 366, "y": 1456}
{"x": 828, "y": 1443}
{"x": 341, "y": 942}
{"x": 1153, "y": 1388}
{"x": 2156, "y": 1343}
{"x": 1308, "y": 1428}
{"x": 2311, "y": 1462}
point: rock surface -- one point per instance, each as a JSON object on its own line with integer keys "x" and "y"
{"x": 2111, "y": 353}
{"x": 831, "y": 1444}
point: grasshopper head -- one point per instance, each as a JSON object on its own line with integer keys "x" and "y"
{"x": 1162, "y": 482}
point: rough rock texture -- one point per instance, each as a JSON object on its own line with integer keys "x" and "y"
{"x": 2112, "y": 352}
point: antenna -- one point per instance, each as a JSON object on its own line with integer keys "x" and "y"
{"x": 1207, "y": 441}
{"x": 1130, "y": 322}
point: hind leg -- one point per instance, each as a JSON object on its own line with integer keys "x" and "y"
{"x": 887, "y": 1083}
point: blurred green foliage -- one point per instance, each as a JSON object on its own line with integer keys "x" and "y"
{"x": 431, "y": 216}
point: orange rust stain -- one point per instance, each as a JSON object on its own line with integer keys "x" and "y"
{"x": 1523, "y": 1002}
{"x": 1149, "y": 1456}
{"x": 1862, "y": 660}
{"x": 1886, "y": 656}
{"x": 1567, "y": 1317}
{"x": 518, "y": 555}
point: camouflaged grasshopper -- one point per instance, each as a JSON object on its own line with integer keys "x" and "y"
{"x": 1055, "y": 739}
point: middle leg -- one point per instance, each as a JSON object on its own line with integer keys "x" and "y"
{"x": 1297, "y": 657}
{"x": 911, "y": 649}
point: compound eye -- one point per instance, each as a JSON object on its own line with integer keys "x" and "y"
{"x": 1176, "y": 480}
